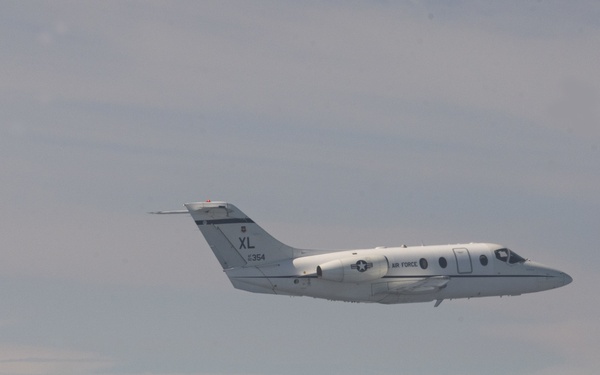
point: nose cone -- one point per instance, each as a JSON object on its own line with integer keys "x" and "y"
{"x": 556, "y": 279}
{"x": 548, "y": 278}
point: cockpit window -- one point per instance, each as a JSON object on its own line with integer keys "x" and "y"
{"x": 514, "y": 257}
{"x": 508, "y": 255}
{"x": 502, "y": 254}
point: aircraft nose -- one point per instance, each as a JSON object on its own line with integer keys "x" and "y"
{"x": 559, "y": 278}
{"x": 550, "y": 277}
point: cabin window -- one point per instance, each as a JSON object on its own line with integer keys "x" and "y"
{"x": 443, "y": 262}
{"x": 483, "y": 260}
{"x": 423, "y": 263}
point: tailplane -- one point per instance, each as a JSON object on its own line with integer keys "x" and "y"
{"x": 235, "y": 239}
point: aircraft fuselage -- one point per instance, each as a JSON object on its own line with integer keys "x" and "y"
{"x": 256, "y": 262}
{"x": 460, "y": 271}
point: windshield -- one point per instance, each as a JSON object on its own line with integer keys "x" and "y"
{"x": 505, "y": 255}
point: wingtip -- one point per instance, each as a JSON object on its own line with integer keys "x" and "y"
{"x": 169, "y": 212}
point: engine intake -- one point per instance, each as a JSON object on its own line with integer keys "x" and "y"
{"x": 354, "y": 269}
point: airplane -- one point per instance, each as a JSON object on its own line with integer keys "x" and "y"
{"x": 255, "y": 261}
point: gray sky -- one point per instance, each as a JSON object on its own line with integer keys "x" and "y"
{"x": 332, "y": 124}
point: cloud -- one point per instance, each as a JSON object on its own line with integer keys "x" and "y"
{"x": 101, "y": 247}
{"x": 280, "y": 61}
{"x": 378, "y": 100}
{"x": 331, "y": 124}
{"x": 30, "y": 360}
{"x": 572, "y": 344}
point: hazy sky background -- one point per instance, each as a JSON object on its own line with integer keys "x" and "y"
{"x": 332, "y": 124}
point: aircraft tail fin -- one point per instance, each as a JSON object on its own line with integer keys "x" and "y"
{"x": 235, "y": 239}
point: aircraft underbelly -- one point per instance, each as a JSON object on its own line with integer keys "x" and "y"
{"x": 387, "y": 290}
{"x": 352, "y": 292}
{"x": 489, "y": 285}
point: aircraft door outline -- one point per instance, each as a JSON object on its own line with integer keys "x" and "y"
{"x": 463, "y": 260}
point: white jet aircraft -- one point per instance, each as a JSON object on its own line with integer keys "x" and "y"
{"x": 256, "y": 262}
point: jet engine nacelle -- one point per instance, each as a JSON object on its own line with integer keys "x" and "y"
{"x": 354, "y": 269}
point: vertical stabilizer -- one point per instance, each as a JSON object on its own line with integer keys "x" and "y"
{"x": 235, "y": 239}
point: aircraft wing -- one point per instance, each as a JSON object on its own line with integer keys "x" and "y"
{"x": 417, "y": 285}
